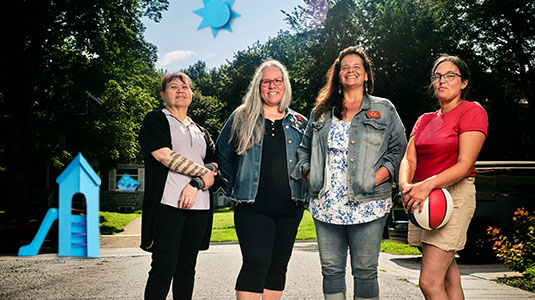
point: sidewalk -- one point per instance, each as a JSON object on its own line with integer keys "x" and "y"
{"x": 476, "y": 279}
{"x": 130, "y": 237}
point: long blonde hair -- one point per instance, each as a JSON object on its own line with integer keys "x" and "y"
{"x": 248, "y": 124}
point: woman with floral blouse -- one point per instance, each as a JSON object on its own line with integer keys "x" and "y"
{"x": 350, "y": 154}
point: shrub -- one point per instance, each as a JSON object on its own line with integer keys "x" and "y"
{"x": 518, "y": 249}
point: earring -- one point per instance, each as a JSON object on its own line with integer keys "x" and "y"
{"x": 366, "y": 86}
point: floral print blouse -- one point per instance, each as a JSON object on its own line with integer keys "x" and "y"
{"x": 333, "y": 205}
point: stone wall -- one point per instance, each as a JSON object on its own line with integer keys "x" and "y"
{"x": 121, "y": 201}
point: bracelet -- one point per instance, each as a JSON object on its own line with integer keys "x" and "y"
{"x": 197, "y": 183}
{"x": 211, "y": 167}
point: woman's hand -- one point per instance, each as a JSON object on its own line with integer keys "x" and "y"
{"x": 208, "y": 179}
{"x": 381, "y": 175}
{"x": 405, "y": 197}
{"x": 187, "y": 197}
{"x": 306, "y": 172}
{"x": 413, "y": 195}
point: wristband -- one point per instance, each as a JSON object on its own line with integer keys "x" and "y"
{"x": 197, "y": 183}
{"x": 211, "y": 167}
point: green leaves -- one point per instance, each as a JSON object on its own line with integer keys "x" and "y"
{"x": 67, "y": 59}
{"x": 113, "y": 132}
{"x": 517, "y": 250}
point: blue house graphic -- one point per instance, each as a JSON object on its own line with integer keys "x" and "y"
{"x": 79, "y": 235}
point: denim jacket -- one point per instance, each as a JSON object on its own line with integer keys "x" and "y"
{"x": 376, "y": 138}
{"x": 243, "y": 171}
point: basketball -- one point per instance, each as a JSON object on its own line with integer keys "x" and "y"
{"x": 436, "y": 212}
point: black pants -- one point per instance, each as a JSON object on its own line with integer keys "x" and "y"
{"x": 266, "y": 244}
{"x": 179, "y": 233}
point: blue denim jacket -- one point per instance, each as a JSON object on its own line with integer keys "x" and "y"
{"x": 376, "y": 138}
{"x": 243, "y": 171}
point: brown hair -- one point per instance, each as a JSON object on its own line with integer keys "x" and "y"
{"x": 330, "y": 95}
{"x": 168, "y": 77}
{"x": 461, "y": 65}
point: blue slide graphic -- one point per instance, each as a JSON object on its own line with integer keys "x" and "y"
{"x": 33, "y": 248}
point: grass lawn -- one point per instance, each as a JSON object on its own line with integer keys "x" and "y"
{"x": 223, "y": 231}
{"x": 112, "y": 222}
{"x": 526, "y": 284}
{"x": 306, "y": 230}
{"x": 223, "y": 227}
{"x": 388, "y": 246}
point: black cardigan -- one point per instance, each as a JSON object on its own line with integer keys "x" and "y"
{"x": 156, "y": 134}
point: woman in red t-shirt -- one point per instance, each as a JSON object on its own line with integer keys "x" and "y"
{"x": 441, "y": 153}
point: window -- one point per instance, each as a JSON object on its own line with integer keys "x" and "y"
{"x": 135, "y": 171}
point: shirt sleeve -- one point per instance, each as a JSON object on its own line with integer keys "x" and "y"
{"x": 416, "y": 125}
{"x": 474, "y": 119}
{"x": 154, "y": 134}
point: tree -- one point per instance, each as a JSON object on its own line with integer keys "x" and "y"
{"x": 309, "y": 16}
{"x": 55, "y": 68}
{"x": 317, "y": 44}
{"x": 501, "y": 34}
{"x": 112, "y": 132}
{"x": 403, "y": 38}
{"x": 207, "y": 112}
{"x": 229, "y": 83}
{"x": 499, "y": 39}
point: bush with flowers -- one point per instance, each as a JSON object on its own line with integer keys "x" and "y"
{"x": 517, "y": 250}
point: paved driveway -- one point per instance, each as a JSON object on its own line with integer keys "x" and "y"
{"x": 121, "y": 273}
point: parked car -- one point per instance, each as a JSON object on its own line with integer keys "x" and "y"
{"x": 502, "y": 187}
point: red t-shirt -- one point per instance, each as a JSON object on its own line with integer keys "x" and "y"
{"x": 436, "y": 137}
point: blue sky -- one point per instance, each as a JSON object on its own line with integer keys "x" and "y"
{"x": 180, "y": 44}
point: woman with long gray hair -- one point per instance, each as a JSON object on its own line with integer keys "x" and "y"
{"x": 256, "y": 151}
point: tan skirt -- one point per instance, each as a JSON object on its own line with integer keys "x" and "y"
{"x": 452, "y": 236}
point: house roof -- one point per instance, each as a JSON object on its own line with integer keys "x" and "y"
{"x": 77, "y": 163}
{"x": 220, "y": 190}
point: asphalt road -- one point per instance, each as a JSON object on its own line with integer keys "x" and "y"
{"x": 121, "y": 274}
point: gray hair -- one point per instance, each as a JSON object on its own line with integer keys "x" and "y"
{"x": 248, "y": 125}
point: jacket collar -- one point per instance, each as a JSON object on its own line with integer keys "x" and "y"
{"x": 365, "y": 105}
{"x": 366, "y": 102}
{"x": 295, "y": 119}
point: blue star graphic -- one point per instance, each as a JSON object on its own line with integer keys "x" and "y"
{"x": 217, "y": 14}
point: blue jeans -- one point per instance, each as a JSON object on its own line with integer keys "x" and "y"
{"x": 364, "y": 241}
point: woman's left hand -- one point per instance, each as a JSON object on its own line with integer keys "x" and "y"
{"x": 414, "y": 195}
{"x": 187, "y": 197}
{"x": 381, "y": 175}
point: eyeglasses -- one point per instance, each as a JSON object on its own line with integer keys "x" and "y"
{"x": 267, "y": 82}
{"x": 447, "y": 77}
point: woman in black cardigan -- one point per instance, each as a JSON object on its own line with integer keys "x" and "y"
{"x": 179, "y": 168}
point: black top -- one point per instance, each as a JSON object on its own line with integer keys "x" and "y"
{"x": 274, "y": 196}
{"x": 156, "y": 134}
